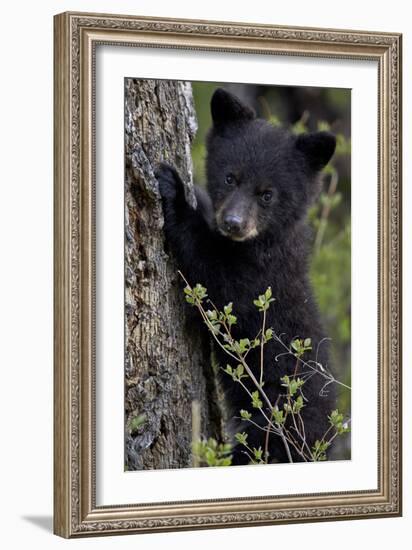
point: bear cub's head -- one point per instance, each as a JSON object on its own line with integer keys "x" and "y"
{"x": 260, "y": 178}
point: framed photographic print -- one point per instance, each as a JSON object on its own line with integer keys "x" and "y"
{"x": 227, "y": 274}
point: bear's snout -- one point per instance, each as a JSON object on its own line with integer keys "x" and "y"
{"x": 233, "y": 223}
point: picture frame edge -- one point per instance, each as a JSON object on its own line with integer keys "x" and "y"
{"x": 75, "y": 513}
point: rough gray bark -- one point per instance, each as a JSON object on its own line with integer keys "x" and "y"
{"x": 165, "y": 368}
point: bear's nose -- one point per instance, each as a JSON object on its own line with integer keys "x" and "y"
{"x": 233, "y": 223}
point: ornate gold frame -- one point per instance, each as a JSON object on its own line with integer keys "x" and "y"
{"x": 76, "y": 36}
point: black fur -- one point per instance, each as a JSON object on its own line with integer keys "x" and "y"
{"x": 268, "y": 247}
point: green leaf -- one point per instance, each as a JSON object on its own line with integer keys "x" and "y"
{"x": 258, "y": 453}
{"x": 319, "y": 450}
{"x": 216, "y": 328}
{"x": 278, "y": 416}
{"x": 285, "y": 380}
{"x": 211, "y": 453}
{"x": 256, "y": 401}
{"x": 241, "y": 438}
{"x": 210, "y": 457}
{"x": 293, "y": 387}
{"x": 300, "y": 346}
{"x": 296, "y": 345}
{"x": 231, "y": 319}
{"x": 336, "y": 419}
{"x": 292, "y": 384}
{"x": 298, "y": 405}
{"x": 199, "y": 292}
{"x": 245, "y": 414}
{"x": 268, "y": 334}
{"x": 243, "y": 345}
{"x": 212, "y": 315}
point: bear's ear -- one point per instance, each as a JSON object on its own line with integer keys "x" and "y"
{"x": 226, "y": 108}
{"x": 318, "y": 148}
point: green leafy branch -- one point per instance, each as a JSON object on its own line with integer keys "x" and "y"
{"x": 286, "y": 421}
{"x": 211, "y": 453}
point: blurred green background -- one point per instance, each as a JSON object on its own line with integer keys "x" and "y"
{"x": 303, "y": 109}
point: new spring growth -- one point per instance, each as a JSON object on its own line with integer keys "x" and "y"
{"x": 212, "y": 453}
{"x": 264, "y": 300}
{"x": 300, "y": 346}
{"x": 282, "y": 417}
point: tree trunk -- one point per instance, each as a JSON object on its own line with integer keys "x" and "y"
{"x": 165, "y": 369}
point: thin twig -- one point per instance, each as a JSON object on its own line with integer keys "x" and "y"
{"x": 325, "y": 374}
{"x": 267, "y": 443}
{"x": 262, "y": 343}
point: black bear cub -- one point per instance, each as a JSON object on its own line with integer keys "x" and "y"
{"x": 248, "y": 233}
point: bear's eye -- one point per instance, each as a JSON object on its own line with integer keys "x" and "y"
{"x": 266, "y": 196}
{"x": 230, "y": 179}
